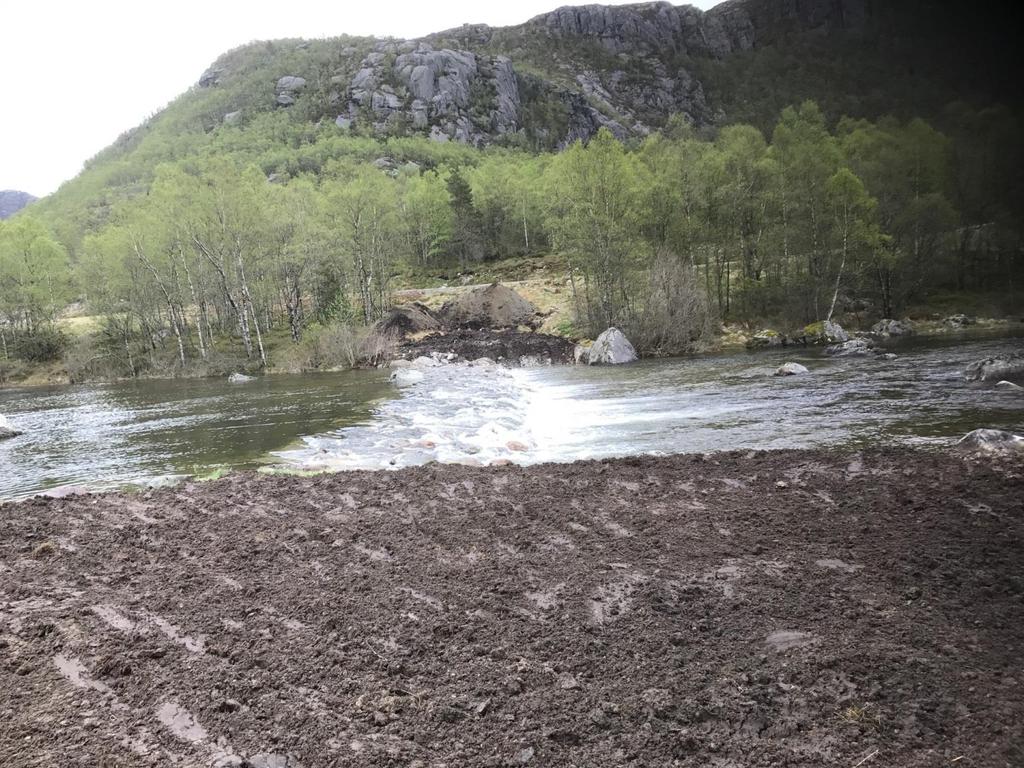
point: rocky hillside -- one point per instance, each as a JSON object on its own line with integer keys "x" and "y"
{"x": 564, "y": 74}
{"x": 12, "y": 201}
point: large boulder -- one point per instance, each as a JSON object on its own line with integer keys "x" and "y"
{"x": 493, "y": 306}
{"x": 287, "y": 88}
{"x": 791, "y": 369}
{"x": 611, "y": 348}
{"x": 407, "y": 319}
{"x": 887, "y": 327}
{"x": 825, "y": 332}
{"x": 991, "y": 441}
{"x": 852, "y": 348}
{"x": 1005, "y": 366}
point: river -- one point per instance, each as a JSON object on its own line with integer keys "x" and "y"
{"x": 104, "y": 436}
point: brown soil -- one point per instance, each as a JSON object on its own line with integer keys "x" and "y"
{"x": 795, "y": 608}
{"x": 493, "y": 306}
{"x": 506, "y": 346}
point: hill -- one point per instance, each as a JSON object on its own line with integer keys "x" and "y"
{"x": 767, "y": 162}
{"x": 12, "y": 201}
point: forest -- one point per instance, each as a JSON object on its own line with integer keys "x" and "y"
{"x": 294, "y": 236}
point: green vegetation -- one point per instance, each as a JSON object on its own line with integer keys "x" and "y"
{"x": 283, "y": 235}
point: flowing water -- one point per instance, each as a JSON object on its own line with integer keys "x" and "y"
{"x": 109, "y": 435}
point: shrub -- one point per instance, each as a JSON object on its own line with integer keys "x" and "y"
{"x": 44, "y": 345}
{"x": 675, "y": 317}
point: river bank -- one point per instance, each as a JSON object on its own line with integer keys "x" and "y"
{"x": 757, "y": 609}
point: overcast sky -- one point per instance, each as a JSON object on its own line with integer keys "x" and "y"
{"x": 78, "y": 73}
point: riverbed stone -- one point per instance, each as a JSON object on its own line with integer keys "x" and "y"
{"x": 611, "y": 348}
{"x": 240, "y": 378}
{"x": 1009, "y": 385}
{"x": 791, "y": 369}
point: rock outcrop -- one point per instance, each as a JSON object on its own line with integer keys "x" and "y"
{"x": 625, "y": 68}
{"x": 611, "y": 348}
{"x": 12, "y": 201}
{"x": 288, "y": 88}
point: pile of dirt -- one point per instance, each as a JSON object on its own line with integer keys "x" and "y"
{"x": 407, "y": 319}
{"x": 494, "y": 306}
{"x": 769, "y": 609}
{"x": 505, "y": 346}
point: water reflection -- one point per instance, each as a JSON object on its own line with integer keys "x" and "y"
{"x": 109, "y": 434}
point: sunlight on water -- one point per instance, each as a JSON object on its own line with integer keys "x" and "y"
{"x": 105, "y": 436}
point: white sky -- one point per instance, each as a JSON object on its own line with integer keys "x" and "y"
{"x": 78, "y": 73}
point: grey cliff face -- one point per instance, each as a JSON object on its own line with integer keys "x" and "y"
{"x": 455, "y": 94}
{"x": 446, "y": 87}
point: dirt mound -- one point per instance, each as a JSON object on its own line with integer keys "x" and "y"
{"x": 796, "y": 608}
{"x": 506, "y": 346}
{"x": 407, "y": 319}
{"x": 494, "y": 306}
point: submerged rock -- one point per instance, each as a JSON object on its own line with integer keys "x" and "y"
{"x": 6, "y": 430}
{"x": 611, "y": 348}
{"x": 1009, "y": 385}
{"x": 887, "y": 327}
{"x": 852, "y": 348}
{"x": 240, "y": 378}
{"x": 791, "y": 369}
{"x": 407, "y": 377}
{"x": 991, "y": 441}
{"x": 998, "y": 367}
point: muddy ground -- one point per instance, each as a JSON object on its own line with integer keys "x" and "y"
{"x": 770, "y": 609}
{"x": 507, "y": 346}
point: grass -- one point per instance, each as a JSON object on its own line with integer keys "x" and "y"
{"x": 860, "y": 716}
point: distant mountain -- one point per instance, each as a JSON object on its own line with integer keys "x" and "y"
{"x": 12, "y": 201}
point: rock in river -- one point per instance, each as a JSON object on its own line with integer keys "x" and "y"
{"x": 998, "y": 367}
{"x": 6, "y": 430}
{"x": 611, "y": 348}
{"x": 791, "y": 369}
{"x": 853, "y": 348}
{"x": 406, "y": 377}
{"x": 991, "y": 441}
{"x": 240, "y": 378}
{"x": 887, "y": 327}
